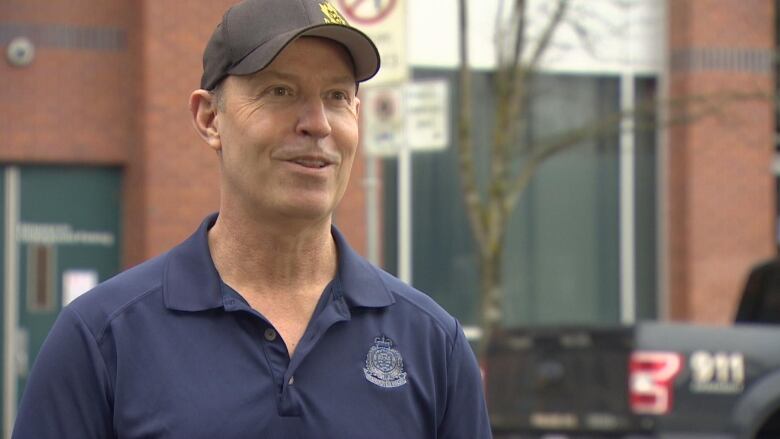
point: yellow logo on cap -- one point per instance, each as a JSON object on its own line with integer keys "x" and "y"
{"x": 332, "y": 15}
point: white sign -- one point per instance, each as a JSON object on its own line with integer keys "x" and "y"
{"x": 717, "y": 372}
{"x": 46, "y": 233}
{"x": 385, "y": 22}
{"x": 427, "y": 115}
{"x": 77, "y": 282}
{"x": 415, "y": 116}
{"x": 383, "y": 122}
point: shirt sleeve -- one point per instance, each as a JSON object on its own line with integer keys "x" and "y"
{"x": 466, "y": 415}
{"x": 67, "y": 394}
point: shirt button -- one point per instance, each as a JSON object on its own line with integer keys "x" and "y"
{"x": 270, "y": 334}
{"x": 291, "y": 381}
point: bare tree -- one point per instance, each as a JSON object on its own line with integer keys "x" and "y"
{"x": 513, "y": 156}
{"x": 489, "y": 210}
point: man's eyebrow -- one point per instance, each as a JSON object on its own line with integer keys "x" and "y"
{"x": 275, "y": 74}
{"x": 343, "y": 79}
{"x": 338, "y": 79}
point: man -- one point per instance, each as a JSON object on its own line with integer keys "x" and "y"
{"x": 264, "y": 323}
{"x": 760, "y": 299}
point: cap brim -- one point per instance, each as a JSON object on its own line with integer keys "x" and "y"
{"x": 364, "y": 53}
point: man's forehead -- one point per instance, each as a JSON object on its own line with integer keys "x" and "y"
{"x": 272, "y": 72}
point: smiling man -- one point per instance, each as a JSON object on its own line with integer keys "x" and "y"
{"x": 264, "y": 323}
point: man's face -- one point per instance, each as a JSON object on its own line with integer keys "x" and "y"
{"x": 288, "y": 134}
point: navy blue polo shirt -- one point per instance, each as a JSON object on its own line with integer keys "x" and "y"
{"x": 167, "y": 350}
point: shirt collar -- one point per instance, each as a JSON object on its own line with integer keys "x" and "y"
{"x": 191, "y": 281}
{"x": 360, "y": 281}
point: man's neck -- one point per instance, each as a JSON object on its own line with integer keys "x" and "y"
{"x": 259, "y": 258}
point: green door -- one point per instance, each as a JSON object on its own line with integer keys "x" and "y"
{"x": 67, "y": 240}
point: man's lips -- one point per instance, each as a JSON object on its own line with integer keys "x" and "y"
{"x": 314, "y": 163}
{"x": 310, "y": 159}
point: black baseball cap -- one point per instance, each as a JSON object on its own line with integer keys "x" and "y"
{"x": 253, "y": 32}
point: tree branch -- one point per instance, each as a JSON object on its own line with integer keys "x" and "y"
{"x": 468, "y": 180}
{"x": 549, "y": 32}
{"x": 685, "y": 110}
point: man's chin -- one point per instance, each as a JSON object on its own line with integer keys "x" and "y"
{"x": 307, "y": 209}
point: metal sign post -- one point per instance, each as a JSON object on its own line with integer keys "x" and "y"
{"x": 400, "y": 120}
{"x": 385, "y": 22}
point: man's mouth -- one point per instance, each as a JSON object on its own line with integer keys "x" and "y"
{"x": 311, "y": 163}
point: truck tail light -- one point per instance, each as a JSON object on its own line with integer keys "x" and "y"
{"x": 651, "y": 381}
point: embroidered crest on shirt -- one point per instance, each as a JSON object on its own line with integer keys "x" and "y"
{"x": 384, "y": 365}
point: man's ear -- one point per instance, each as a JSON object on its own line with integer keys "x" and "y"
{"x": 203, "y": 107}
{"x": 357, "y": 108}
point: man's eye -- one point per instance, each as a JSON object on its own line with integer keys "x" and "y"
{"x": 280, "y": 91}
{"x": 339, "y": 96}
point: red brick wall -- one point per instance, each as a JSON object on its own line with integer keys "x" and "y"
{"x": 178, "y": 175}
{"x": 721, "y": 190}
{"x": 70, "y": 104}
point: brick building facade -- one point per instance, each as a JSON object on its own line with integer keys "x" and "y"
{"x": 110, "y": 81}
{"x": 720, "y": 211}
{"x": 108, "y": 88}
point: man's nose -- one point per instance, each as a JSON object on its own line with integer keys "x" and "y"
{"x": 313, "y": 119}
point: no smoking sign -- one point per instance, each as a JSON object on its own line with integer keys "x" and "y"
{"x": 385, "y": 22}
{"x": 384, "y": 123}
{"x": 367, "y": 11}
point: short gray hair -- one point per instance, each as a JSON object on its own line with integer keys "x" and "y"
{"x": 218, "y": 94}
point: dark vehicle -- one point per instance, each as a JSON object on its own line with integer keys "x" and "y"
{"x": 651, "y": 380}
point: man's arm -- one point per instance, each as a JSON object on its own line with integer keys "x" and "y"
{"x": 466, "y": 415}
{"x": 68, "y": 393}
